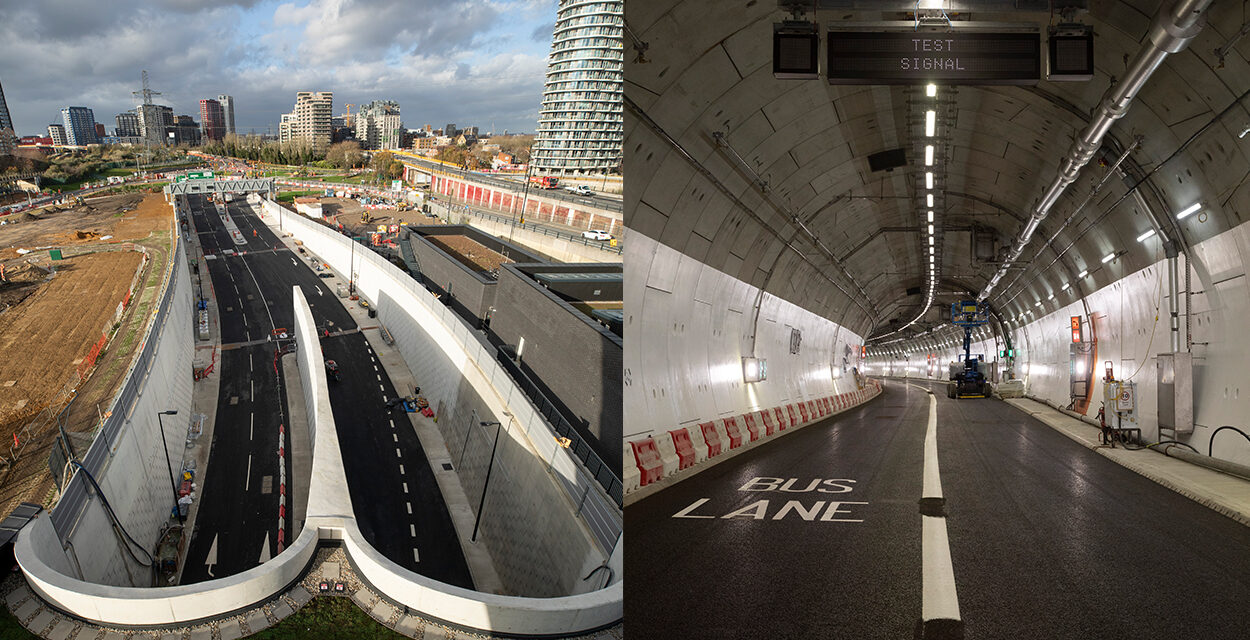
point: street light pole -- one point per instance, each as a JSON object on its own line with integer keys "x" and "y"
{"x": 169, "y": 465}
{"x": 489, "y": 467}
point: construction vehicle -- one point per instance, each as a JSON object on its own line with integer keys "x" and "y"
{"x": 966, "y": 378}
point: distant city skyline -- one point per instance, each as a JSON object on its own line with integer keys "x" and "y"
{"x": 470, "y": 61}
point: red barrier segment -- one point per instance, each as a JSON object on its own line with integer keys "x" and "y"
{"x": 748, "y": 420}
{"x": 685, "y": 448}
{"x": 711, "y": 437}
{"x": 782, "y": 421}
{"x": 803, "y": 412}
{"x": 650, "y": 466}
{"x": 735, "y": 436}
{"x": 770, "y": 422}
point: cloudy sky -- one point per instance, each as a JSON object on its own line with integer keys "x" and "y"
{"x": 471, "y": 62}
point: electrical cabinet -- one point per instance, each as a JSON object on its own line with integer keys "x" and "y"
{"x": 1176, "y": 392}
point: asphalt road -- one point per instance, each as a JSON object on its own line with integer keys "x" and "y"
{"x": 401, "y": 511}
{"x": 1048, "y": 539}
{"x": 396, "y": 499}
{"x": 238, "y": 517}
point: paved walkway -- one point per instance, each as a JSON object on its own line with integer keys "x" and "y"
{"x": 1225, "y": 494}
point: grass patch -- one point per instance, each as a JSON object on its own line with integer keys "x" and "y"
{"x": 328, "y": 618}
{"x": 11, "y": 629}
{"x": 290, "y": 196}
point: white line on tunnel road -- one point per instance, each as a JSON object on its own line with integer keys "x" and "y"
{"x": 247, "y": 479}
{"x": 251, "y": 426}
{"x": 412, "y": 528}
{"x": 405, "y": 487}
{"x": 401, "y": 469}
{"x": 394, "y": 437}
{"x": 416, "y": 556}
{"x": 409, "y": 505}
{"x": 940, "y": 600}
{"x": 392, "y": 424}
{"x": 397, "y": 453}
{"x": 379, "y": 377}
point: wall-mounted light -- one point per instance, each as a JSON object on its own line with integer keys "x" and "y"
{"x": 1065, "y": 286}
{"x": 1146, "y": 236}
{"x": 930, "y": 229}
{"x": 928, "y": 179}
{"x": 931, "y": 91}
{"x": 928, "y": 202}
{"x": 1108, "y": 258}
{"x": 1082, "y": 274}
{"x": 754, "y": 369}
{"x": 930, "y": 123}
{"x": 930, "y": 241}
{"x": 1189, "y": 211}
{"x": 1039, "y": 303}
{"x": 930, "y": 250}
{"x": 930, "y": 212}
{"x": 928, "y": 156}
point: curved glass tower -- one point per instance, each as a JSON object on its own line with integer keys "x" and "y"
{"x": 580, "y": 124}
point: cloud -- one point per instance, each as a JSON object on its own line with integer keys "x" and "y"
{"x": 464, "y": 61}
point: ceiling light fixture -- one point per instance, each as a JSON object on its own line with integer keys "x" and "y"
{"x": 928, "y": 156}
{"x": 928, "y": 201}
{"x": 1065, "y": 286}
{"x": 1108, "y": 258}
{"x": 930, "y": 123}
{"x": 930, "y": 212}
{"x": 928, "y": 179}
{"x": 930, "y": 90}
{"x": 930, "y": 229}
{"x": 930, "y": 241}
{"x": 1146, "y": 236}
{"x": 1082, "y": 274}
{"x": 1189, "y": 211}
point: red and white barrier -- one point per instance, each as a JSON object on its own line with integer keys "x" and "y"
{"x": 684, "y": 450}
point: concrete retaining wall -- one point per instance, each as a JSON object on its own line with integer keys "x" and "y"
{"x": 540, "y": 543}
{"x": 693, "y": 325}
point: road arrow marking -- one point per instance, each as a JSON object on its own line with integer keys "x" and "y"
{"x": 264, "y": 550}
{"x": 212, "y": 557}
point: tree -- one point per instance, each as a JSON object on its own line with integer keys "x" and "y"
{"x": 345, "y": 155}
{"x": 386, "y": 167}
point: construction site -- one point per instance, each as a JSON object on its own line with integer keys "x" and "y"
{"x": 77, "y": 282}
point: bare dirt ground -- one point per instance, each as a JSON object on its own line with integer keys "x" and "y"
{"x": 470, "y": 252}
{"x": 348, "y": 212}
{"x": 125, "y": 217}
{"x": 50, "y": 324}
{"x": 46, "y": 336}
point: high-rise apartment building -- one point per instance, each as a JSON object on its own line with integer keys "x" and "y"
{"x": 580, "y": 123}
{"x": 227, "y": 108}
{"x": 7, "y": 134}
{"x": 79, "y": 123}
{"x": 57, "y": 133}
{"x": 154, "y": 120}
{"x": 214, "y": 119}
{"x": 185, "y": 130}
{"x": 450, "y": 130}
{"x": 127, "y": 125}
{"x": 310, "y": 120}
{"x": 378, "y": 125}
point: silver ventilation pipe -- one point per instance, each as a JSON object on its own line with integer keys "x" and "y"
{"x": 1170, "y": 32}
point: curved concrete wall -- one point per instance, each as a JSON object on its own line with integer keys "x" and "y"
{"x": 37, "y": 548}
{"x": 429, "y": 335}
{"x": 693, "y": 325}
{"x": 1130, "y": 334}
{"x": 329, "y": 517}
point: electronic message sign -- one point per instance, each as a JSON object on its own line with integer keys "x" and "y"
{"x": 917, "y": 57}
